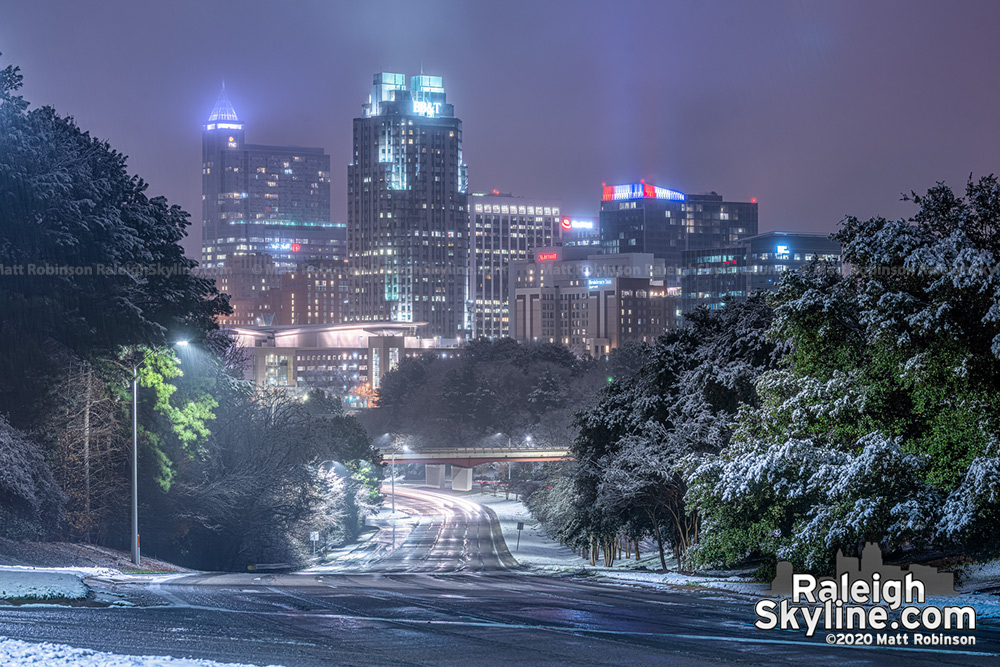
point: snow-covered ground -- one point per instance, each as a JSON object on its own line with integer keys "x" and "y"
{"x": 980, "y": 576}
{"x": 42, "y": 583}
{"x": 14, "y": 653}
{"x": 69, "y": 583}
{"x": 536, "y": 549}
{"x": 373, "y": 542}
{"x": 541, "y": 552}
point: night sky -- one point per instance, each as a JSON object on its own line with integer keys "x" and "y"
{"x": 819, "y": 110}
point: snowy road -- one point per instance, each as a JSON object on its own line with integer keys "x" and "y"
{"x": 445, "y": 596}
{"x": 450, "y": 534}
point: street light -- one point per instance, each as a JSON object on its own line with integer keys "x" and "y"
{"x": 392, "y": 481}
{"x": 135, "y": 451}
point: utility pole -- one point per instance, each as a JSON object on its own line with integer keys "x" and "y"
{"x": 135, "y": 451}
{"x": 135, "y": 462}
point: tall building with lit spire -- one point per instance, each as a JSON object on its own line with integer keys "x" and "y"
{"x": 407, "y": 215}
{"x": 263, "y": 200}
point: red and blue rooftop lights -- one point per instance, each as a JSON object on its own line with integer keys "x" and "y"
{"x": 641, "y": 190}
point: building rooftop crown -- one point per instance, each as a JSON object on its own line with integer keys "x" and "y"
{"x": 223, "y": 111}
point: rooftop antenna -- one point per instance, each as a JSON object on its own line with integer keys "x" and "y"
{"x": 421, "y": 67}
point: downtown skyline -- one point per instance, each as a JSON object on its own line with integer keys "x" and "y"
{"x": 805, "y": 107}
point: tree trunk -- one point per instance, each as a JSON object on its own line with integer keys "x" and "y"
{"x": 592, "y": 561}
{"x": 88, "y": 400}
{"x": 659, "y": 543}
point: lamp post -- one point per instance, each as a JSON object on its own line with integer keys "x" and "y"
{"x": 527, "y": 440}
{"x": 392, "y": 484}
{"x": 392, "y": 480}
{"x": 135, "y": 452}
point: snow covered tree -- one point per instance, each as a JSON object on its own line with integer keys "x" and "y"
{"x": 95, "y": 263}
{"x": 798, "y": 483}
{"x": 883, "y": 426}
{"x": 31, "y": 502}
{"x": 492, "y": 391}
{"x": 634, "y": 446}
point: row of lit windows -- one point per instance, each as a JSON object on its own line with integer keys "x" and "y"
{"x": 518, "y": 210}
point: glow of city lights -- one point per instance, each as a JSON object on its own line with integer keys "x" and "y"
{"x": 639, "y": 191}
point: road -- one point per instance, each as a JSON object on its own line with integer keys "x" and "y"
{"x": 452, "y": 535}
{"x": 447, "y": 595}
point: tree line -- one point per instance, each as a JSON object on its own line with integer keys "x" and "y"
{"x": 837, "y": 410}
{"x": 229, "y": 475}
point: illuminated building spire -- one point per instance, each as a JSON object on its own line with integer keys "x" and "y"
{"x": 223, "y": 111}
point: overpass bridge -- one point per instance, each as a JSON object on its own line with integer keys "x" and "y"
{"x": 462, "y": 460}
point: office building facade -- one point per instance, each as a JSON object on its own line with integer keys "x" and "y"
{"x": 407, "y": 217}
{"x": 644, "y": 218}
{"x": 345, "y": 360}
{"x": 503, "y": 229}
{"x": 590, "y": 303}
{"x": 712, "y": 277}
{"x": 251, "y": 281}
{"x": 259, "y": 199}
{"x": 314, "y": 293}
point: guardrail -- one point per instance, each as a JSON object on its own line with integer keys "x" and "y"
{"x": 269, "y": 567}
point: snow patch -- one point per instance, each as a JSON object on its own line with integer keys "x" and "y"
{"x": 536, "y": 548}
{"x": 14, "y": 653}
{"x": 43, "y": 585}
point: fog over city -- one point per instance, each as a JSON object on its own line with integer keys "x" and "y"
{"x": 819, "y": 110}
{"x": 519, "y": 333}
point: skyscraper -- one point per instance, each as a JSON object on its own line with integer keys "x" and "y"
{"x": 640, "y": 217}
{"x": 272, "y": 200}
{"x": 502, "y": 229}
{"x": 407, "y": 217}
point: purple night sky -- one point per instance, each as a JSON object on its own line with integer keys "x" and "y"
{"x": 818, "y": 110}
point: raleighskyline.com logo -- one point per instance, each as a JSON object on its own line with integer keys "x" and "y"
{"x": 868, "y": 603}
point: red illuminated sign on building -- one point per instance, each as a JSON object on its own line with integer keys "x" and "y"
{"x": 296, "y": 247}
{"x": 566, "y": 223}
{"x": 546, "y": 256}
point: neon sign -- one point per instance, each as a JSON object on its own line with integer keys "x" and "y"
{"x": 424, "y": 108}
{"x": 568, "y": 224}
{"x": 596, "y": 283}
{"x": 547, "y": 256}
{"x": 639, "y": 191}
